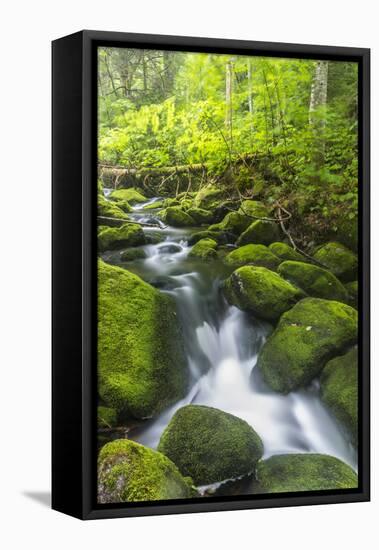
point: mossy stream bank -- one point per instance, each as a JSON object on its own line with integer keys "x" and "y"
{"x": 214, "y": 335}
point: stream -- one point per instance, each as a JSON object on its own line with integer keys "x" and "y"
{"x": 222, "y": 344}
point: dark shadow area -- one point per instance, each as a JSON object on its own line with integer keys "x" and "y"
{"x": 42, "y": 497}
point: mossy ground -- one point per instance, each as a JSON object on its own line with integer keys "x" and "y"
{"x": 129, "y": 472}
{"x": 210, "y": 445}
{"x": 141, "y": 363}
{"x": 339, "y": 390}
{"x": 303, "y": 472}
{"x": 261, "y": 292}
{"x": 253, "y": 254}
{"x": 307, "y": 336}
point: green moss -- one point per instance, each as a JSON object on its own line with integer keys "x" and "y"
{"x": 254, "y": 254}
{"x": 210, "y": 445}
{"x": 303, "y": 472}
{"x": 129, "y": 472}
{"x": 339, "y": 259}
{"x": 314, "y": 280}
{"x": 352, "y": 291}
{"x": 208, "y": 198}
{"x": 106, "y": 417}
{"x": 132, "y": 195}
{"x": 307, "y": 336}
{"x": 154, "y": 205}
{"x": 186, "y": 204}
{"x": 254, "y": 209}
{"x": 109, "y": 209}
{"x": 129, "y": 234}
{"x": 204, "y": 249}
{"x": 132, "y": 254}
{"x": 233, "y": 222}
{"x": 261, "y": 292}
{"x": 220, "y": 236}
{"x": 124, "y": 205}
{"x": 175, "y": 216}
{"x": 200, "y": 215}
{"x": 339, "y": 390}
{"x": 259, "y": 232}
{"x": 286, "y": 252}
{"x": 141, "y": 363}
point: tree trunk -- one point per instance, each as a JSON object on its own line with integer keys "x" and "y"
{"x": 229, "y": 100}
{"x": 317, "y": 105}
{"x": 249, "y": 87}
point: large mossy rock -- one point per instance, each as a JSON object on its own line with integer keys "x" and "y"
{"x": 314, "y": 280}
{"x": 113, "y": 238}
{"x": 129, "y": 472}
{"x": 201, "y": 216}
{"x": 286, "y": 252}
{"x": 108, "y": 209}
{"x": 353, "y": 293}
{"x": 210, "y": 445}
{"x": 205, "y": 249}
{"x": 260, "y": 291}
{"x": 208, "y": 198}
{"x": 253, "y": 254}
{"x": 131, "y": 195}
{"x": 141, "y": 363}
{"x": 307, "y": 336}
{"x": 339, "y": 390}
{"x": 254, "y": 209}
{"x": 175, "y": 216}
{"x": 303, "y": 472}
{"x": 259, "y": 232}
{"x": 339, "y": 259}
{"x": 233, "y": 222}
{"x": 131, "y": 254}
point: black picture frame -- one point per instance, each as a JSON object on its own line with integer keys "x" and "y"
{"x": 74, "y": 152}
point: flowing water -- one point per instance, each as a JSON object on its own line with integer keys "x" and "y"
{"x": 222, "y": 344}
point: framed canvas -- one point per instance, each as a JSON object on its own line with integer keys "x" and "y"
{"x": 210, "y": 275}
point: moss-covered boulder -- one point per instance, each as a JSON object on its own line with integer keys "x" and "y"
{"x": 108, "y": 209}
{"x": 307, "y": 336}
{"x": 154, "y": 205}
{"x": 254, "y": 209}
{"x": 201, "y": 216}
{"x": 124, "y": 205}
{"x": 352, "y": 291}
{"x": 106, "y": 417}
{"x": 131, "y": 254}
{"x": 340, "y": 260}
{"x": 175, "y": 216}
{"x": 221, "y": 237}
{"x": 339, "y": 390}
{"x": 204, "y": 249}
{"x": 131, "y": 195}
{"x": 113, "y": 238}
{"x": 233, "y": 222}
{"x": 141, "y": 364}
{"x": 210, "y": 445}
{"x": 259, "y": 232}
{"x": 261, "y": 292}
{"x": 286, "y": 252}
{"x": 314, "y": 280}
{"x": 208, "y": 198}
{"x": 303, "y": 472}
{"x": 129, "y": 472}
{"x": 253, "y": 254}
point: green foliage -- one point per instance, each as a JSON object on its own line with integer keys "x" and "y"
{"x": 210, "y": 445}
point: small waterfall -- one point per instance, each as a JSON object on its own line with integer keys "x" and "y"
{"x": 222, "y": 345}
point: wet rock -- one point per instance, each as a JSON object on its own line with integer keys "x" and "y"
{"x": 339, "y": 259}
{"x": 314, "y": 280}
{"x": 261, "y": 292}
{"x": 205, "y": 249}
{"x": 169, "y": 248}
{"x": 175, "y": 216}
{"x": 339, "y": 390}
{"x": 129, "y": 472}
{"x": 113, "y": 238}
{"x": 210, "y": 445}
{"x": 252, "y": 254}
{"x": 307, "y": 336}
{"x": 132, "y": 254}
{"x": 222, "y": 237}
{"x": 303, "y": 472}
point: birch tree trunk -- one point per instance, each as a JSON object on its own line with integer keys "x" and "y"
{"x": 317, "y": 114}
{"x": 228, "y": 96}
